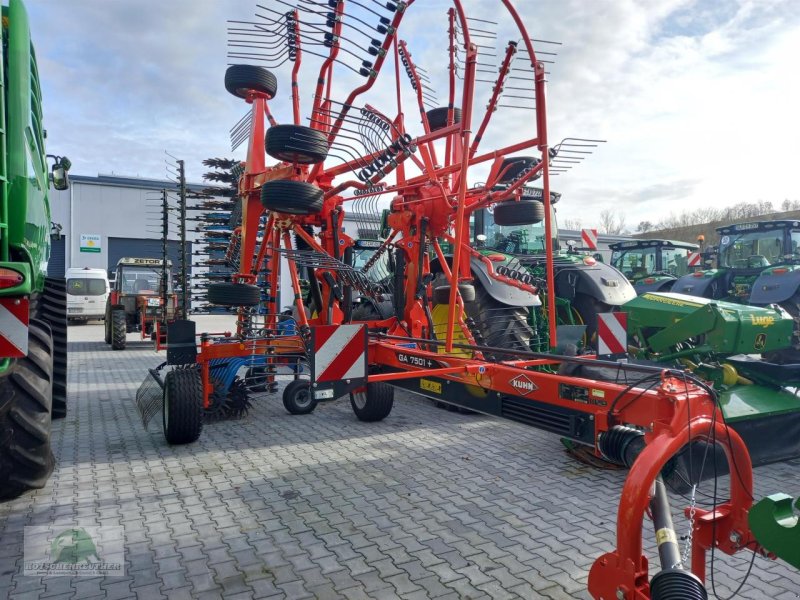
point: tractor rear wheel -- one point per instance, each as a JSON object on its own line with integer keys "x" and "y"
{"x": 53, "y": 309}
{"x": 240, "y": 80}
{"x": 441, "y": 292}
{"x": 437, "y": 117}
{"x": 298, "y": 399}
{"x": 183, "y": 406}
{"x": 500, "y": 325}
{"x": 26, "y": 460}
{"x": 588, "y": 308}
{"x": 291, "y": 197}
{"x": 296, "y": 144}
{"x": 119, "y": 329}
{"x": 373, "y": 403}
{"x": 227, "y": 293}
{"x": 107, "y": 326}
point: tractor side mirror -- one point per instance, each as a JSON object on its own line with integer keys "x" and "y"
{"x": 60, "y": 172}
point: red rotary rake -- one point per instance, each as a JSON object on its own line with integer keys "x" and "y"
{"x": 407, "y": 317}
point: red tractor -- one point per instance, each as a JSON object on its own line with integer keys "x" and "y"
{"x": 142, "y": 299}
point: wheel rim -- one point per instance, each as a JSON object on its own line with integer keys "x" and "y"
{"x": 360, "y": 400}
{"x": 302, "y": 398}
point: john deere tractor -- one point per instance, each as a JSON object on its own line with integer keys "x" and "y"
{"x": 33, "y": 306}
{"x": 759, "y": 265}
{"x": 652, "y": 265}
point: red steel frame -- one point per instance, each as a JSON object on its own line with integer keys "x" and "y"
{"x": 671, "y": 414}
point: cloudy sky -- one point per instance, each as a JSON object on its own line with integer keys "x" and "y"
{"x": 697, "y": 99}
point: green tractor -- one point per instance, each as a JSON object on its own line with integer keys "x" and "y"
{"x": 759, "y": 265}
{"x": 512, "y": 236}
{"x": 653, "y": 265}
{"x": 33, "y": 317}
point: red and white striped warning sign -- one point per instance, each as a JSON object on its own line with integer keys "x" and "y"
{"x": 340, "y": 352}
{"x": 694, "y": 259}
{"x": 589, "y": 237}
{"x": 612, "y": 334}
{"x": 13, "y": 327}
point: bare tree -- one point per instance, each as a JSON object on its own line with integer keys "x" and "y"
{"x": 611, "y": 223}
{"x": 571, "y": 223}
{"x": 644, "y": 226}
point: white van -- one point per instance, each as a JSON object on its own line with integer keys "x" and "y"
{"x": 87, "y": 293}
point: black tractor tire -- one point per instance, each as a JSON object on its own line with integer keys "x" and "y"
{"x": 53, "y": 309}
{"x": 228, "y": 293}
{"x": 524, "y": 212}
{"x": 441, "y": 293}
{"x": 500, "y": 325}
{"x": 119, "y": 329}
{"x": 373, "y": 404}
{"x": 437, "y": 117}
{"x": 107, "y": 326}
{"x": 515, "y": 165}
{"x": 588, "y": 307}
{"x": 183, "y": 406}
{"x": 298, "y": 399}
{"x": 243, "y": 79}
{"x": 291, "y": 197}
{"x": 296, "y": 144}
{"x": 26, "y": 459}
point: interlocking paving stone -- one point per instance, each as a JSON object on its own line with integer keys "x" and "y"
{"x": 426, "y": 504}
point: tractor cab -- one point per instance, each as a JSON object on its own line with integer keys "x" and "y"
{"x": 652, "y": 265}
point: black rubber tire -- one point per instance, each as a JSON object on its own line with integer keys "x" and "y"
{"x": 228, "y": 293}
{"x": 588, "y": 308}
{"x": 441, "y": 293}
{"x": 53, "y": 309}
{"x": 524, "y": 212}
{"x": 107, "y": 325}
{"x": 291, "y": 197}
{"x": 437, "y": 117}
{"x": 516, "y": 165}
{"x": 373, "y": 404}
{"x": 119, "y": 329}
{"x": 298, "y": 399}
{"x": 182, "y": 416}
{"x": 296, "y": 144}
{"x": 500, "y": 325}
{"x": 242, "y": 79}
{"x": 26, "y": 459}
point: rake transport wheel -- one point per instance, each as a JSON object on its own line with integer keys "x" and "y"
{"x": 26, "y": 460}
{"x": 119, "y": 329}
{"x": 291, "y": 197}
{"x": 53, "y": 309}
{"x": 524, "y": 212}
{"x": 373, "y": 403}
{"x": 227, "y": 293}
{"x": 183, "y": 406}
{"x": 240, "y": 80}
{"x": 441, "y": 292}
{"x": 437, "y": 117}
{"x": 298, "y": 399}
{"x": 296, "y": 144}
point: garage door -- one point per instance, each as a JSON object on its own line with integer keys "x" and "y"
{"x": 57, "y": 265}
{"x": 139, "y": 248}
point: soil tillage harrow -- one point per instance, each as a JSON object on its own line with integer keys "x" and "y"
{"x": 407, "y": 326}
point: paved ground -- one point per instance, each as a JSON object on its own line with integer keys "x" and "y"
{"x": 427, "y": 504}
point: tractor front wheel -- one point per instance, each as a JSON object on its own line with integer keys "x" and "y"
{"x": 373, "y": 403}
{"x": 119, "y": 329}
{"x": 298, "y": 399}
{"x": 183, "y": 406}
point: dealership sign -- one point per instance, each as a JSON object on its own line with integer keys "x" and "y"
{"x": 90, "y": 242}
